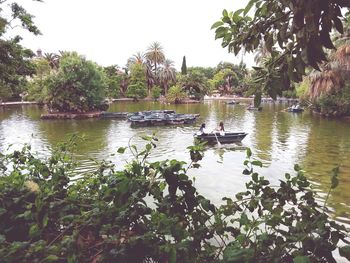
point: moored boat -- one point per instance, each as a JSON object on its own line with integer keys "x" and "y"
{"x": 295, "y": 109}
{"x": 159, "y": 117}
{"x": 254, "y": 108}
{"x": 232, "y": 102}
{"x": 228, "y": 137}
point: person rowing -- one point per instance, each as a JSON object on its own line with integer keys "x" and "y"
{"x": 221, "y": 128}
{"x": 202, "y": 130}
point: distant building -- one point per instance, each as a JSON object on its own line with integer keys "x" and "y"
{"x": 39, "y": 53}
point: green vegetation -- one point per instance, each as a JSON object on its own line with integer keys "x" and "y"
{"x": 15, "y": 62}
{"x": 336, "y": 103}
{"x": 37, "y": 86}
{"x": 290, "y": 36}
{"x": 156, "y": 91}
{"x": 176, "y": 94}
{"x": 151, "y": 212}
{"x": 77, "y": 86}
{"x": 113, "y": 80}
{"x": 137, "y": 88}
{"x": 194, "y": 83}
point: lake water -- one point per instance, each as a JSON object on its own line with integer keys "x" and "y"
{"x": 279, "y": 139}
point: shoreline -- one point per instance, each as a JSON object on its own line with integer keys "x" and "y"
{"x": 11, "y": 103}
{"x": 188, "y": 101}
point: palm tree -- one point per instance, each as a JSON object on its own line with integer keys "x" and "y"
{"x": 53, "y": 60}
{"x": 155, "y": 54}
{"x": 150, "y": 77}
{"x": 138, "y": 58}
{"x": 167, "y": 74}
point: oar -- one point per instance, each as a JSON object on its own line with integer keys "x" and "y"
{"x": 219, "y": 144}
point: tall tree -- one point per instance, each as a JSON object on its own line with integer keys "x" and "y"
{"x": 184, "y": 66}
{"x": 155, "y": 54}
{"x": 140, "y": 58}
{"x": 301, "y": 29}
{"x": 53, "y": 60}
{"x": 137, "y": 88}
{"x": 15, "y": 61}
{"x": 195, "y": 82}
{"x": 167, "y": 74}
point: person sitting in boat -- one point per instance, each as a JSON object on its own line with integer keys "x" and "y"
{"x": 221, "y": 128}
{"x": 202, "y": 130}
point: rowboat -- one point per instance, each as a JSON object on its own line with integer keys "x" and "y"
{"x": 227, "y": 137}
{"x": 160, "y": 117}
{"x": 295, "y": 109}
{"x": 232, "y": 102}
{"x": 252, "y": 108}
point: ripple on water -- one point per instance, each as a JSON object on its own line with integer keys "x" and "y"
{"x": 276, "y": 138}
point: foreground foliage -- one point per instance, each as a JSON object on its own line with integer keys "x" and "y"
{"x": 151, "y": 212}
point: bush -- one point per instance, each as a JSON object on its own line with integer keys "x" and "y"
{"x": 302, "y": 89}
{"x": 334, "y": 104}
{"x": 77, "y": 86}
{"x": 156, "y": 91}
{"x": 151, "y": 212}
{"x": 137, "y": 91}
{"x": 176, "y": 94}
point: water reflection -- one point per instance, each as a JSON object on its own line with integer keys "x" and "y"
{"x": 279, "y": 139}
{"x": 328, "y": 146}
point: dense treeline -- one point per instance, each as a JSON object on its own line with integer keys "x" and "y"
{"x": 143, "y": 78}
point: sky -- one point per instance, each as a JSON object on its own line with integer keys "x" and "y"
{"x": 110, "y": 31}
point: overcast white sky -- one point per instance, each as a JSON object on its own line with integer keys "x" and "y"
{"x": 109, "y": 32}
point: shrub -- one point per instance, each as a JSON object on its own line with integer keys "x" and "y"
{"x": 334, "y": 104}
{"x": 156, "y": 91}
{"x": 176, "y": 94}
{"x": 151, "y": 212}
{"x": 77, "y": 86}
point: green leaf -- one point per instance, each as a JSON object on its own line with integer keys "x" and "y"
{"x": 246, "y": 172}
{"x": 301, "y": 259}
{"x": 257, "y": 163}
{"x": 45, "y": 220}
{"x": 249, "y": 152}
{"x": 217, "y": 24}
{"x": 335, "y": 182}
{"x": 148, "y": 147}
{"x": 326, "y": 40}
{"x": 238, "y": 12}
{"x": 338, "y": 25}
{"x": 345, "y": 252}
{"x": 244, "y": 219}
{"x": 249, "y": 6}
{"x": 224, "y": 13}
{"x": 121, "y": 150}
{"x": 297, "y": 168}
{"x": 34, "y": 231}
{"x": 146, "y": 138}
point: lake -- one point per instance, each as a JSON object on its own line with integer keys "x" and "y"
{"x": 279, "y": 139}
